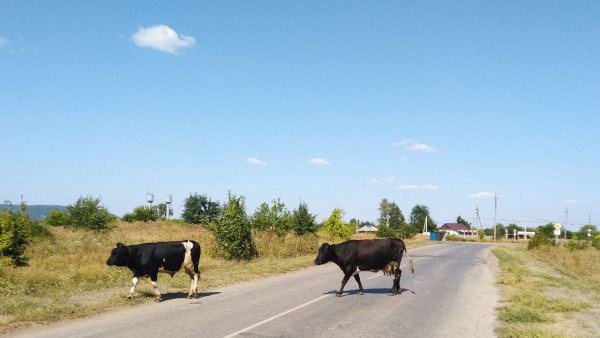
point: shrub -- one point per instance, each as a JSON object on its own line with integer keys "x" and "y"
{"x": 37, "y": 229}
{"x": 57, "y": 218}
{"x": 386, "y": 232}
{"x": 14, "y": 236}
{"x": 232, "y": 231}
{"x": 142, "y": 214}
{"x": 87, "y": 214}
{"x": 335, "y": 227}
{"x": 538, "y": 240}
{"x": 304, "y": 222}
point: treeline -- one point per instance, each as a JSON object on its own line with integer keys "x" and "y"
{"x": 229, "y": 222}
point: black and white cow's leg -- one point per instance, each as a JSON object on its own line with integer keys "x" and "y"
{"x": 361, "y": 291}
{"x": 194, "y": 283}
{"x": 154, "y": 280}
{"x": 134, "y": 282}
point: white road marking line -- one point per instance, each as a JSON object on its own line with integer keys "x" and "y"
{"x": 301, "y": 306}
{"x": 275, "y": 317}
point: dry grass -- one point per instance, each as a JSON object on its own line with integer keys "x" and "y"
{"x": 578, "y": 262}
{"x": 543, "y": 299}
{"x": 67, "y": 277}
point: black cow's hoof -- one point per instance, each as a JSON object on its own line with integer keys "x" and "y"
{"x": 158, "y": 300}
{"x": 360, "y": 293}
{"x": 391, "y": 294}
{"x": 338, "y": 295}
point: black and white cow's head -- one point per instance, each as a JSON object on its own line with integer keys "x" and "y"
{"x": 119, "y": 256}
{"x": 326, "y": 254}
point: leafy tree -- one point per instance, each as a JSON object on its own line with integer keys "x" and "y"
{"x": 261, "y": 219}
{"x": 304, "y": 222}
{"x": 14, "y": 236}
{"x": 232, "y": 230}
{"x": 86, "y": 213}
{"x": 161, "y": 210}
{"x": 199, "y": 209}
{"x": 511, "y": 228}
{"x": 546, "y": 230}
{"x": 57, "y": 218}
{"x": 275, "y": 218}
{"x": 582, "y": 234}
{"x": 335, "y": 227}
{"x": 417, "y": 218}
{"x": 390, "y": 215}
{"x": 461, "y": 220}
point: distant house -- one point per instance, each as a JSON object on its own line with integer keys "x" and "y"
{"x": 457, "y": 229}
{"x": 368, "y": 229}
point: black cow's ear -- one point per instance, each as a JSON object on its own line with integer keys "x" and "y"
{"x": 119, "y": 245}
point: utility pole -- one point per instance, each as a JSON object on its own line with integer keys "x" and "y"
{"x": 566, "y": 222}
{"x": 495, "y": 215}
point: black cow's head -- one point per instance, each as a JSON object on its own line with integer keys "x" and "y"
{"x": 119, "y": 256}
{"x": 326, "y": 254}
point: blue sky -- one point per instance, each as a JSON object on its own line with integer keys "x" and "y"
{"x": 335, "y": 103}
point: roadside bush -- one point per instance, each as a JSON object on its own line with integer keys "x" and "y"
{"x": 199, "y": 209}
{"x": 232, "y": 231}
{"x": 86, "y": 213}
{"x": 386, "y": 232}
{"x": 14, "y": 236}
{"x": 37, "y": 229}
{"x": 142, "y": 214}
{"x": 57, "y": 218}
{"x": 304, "y": 222}
{"x": 335, "y": 227}
{"x": 573, "y": 245}
{"x": 538, "y": 240}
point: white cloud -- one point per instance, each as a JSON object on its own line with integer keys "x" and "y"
{"x": 417, "y": 187}
{"x": 403, "y": 143}
{"x": 483, "y": 195}
{"x": 318, "y": 160}
{"x": 382, "y": 179}
{"x": 412, "y": 145}
{"x": 4, "y": 41}
{"x": 569, "y": 201}
{"x": 254, "y": 160}
{"x": 162, "y": 38}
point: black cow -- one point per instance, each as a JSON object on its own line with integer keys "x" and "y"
{"x": 366, "y": 255}
{"x": 148, "y": 259}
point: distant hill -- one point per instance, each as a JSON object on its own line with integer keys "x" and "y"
{"x": 36, "y": 211}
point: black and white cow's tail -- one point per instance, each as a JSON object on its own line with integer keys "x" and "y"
{"x": 410, "y": 262}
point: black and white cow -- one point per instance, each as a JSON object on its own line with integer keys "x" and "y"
{"x": 148, "y": 259}
{"x": 366, "y": 255}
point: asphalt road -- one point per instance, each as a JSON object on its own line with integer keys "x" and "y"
{"x": 451, "y": 294}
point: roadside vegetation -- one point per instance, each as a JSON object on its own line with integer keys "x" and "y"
{"x": 549, "y": 291}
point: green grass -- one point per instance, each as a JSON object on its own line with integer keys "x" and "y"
{"x": 542, "y": 299}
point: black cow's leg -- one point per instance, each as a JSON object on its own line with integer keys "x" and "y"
{"x": 344, "y": 281}
{"x": 396, "y": 285}
{"x": 360, "y": 288}
{"x": 398, "y": 288}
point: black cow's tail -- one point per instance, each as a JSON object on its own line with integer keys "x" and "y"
{"x": 410, "y": 262}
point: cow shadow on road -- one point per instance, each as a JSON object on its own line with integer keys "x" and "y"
{"x": 179, "y": 295}
{"x": 368, "y": 291}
